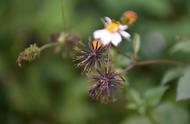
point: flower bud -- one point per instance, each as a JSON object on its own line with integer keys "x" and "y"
{"x": 28, "y": 54}
{"x": 129, "y": 17}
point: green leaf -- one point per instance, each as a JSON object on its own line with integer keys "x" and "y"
{"x": 137, "y": 120}
{"x": 132, "y": 106}
{"x": 182, "y": 46}
{"x": 134, "y": 95}
{"x": 183, "y": 89}
{"x": 136, "y": 44}
{"x": 154, "y": 95}
{"x": 171, "y": 75}
{"x": 136, "y": 102}
{"x": 120, "y": 60}
{"x": 169, "y": 113}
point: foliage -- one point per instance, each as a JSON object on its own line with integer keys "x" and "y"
{"x": 184, "y": 86}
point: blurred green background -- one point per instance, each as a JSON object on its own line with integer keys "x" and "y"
{"x": 50, "y": 90}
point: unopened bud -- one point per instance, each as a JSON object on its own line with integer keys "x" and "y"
{"x": 28, "y": 54}
{"x": 129, "y": 17}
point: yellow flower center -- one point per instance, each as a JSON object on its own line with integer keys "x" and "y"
{"x": 113, "y": 26}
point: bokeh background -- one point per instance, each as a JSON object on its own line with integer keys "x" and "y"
{"x": 50, "y": 90}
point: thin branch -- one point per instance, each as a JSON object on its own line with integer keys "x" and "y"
{"x": 129, "y": 67}
{"x": 49, "y": 45}
{"x": 151, "y": 62}
{"x": 160, "y": 61}
{"x": 120, "y": 51}
{"x": 108, "y": 58}
{"x": 63, "y": 13}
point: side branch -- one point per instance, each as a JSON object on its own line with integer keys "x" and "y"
{"x": 160, "y": 61}
{"x": 152, "y": 62}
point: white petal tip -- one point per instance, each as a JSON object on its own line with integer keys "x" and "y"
{"x": 107, "y": 20}
{"x": 123, "y": 27}
{"x": 125, "y": 34}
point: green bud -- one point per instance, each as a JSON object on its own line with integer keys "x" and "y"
{"x": 136, "y": 45}
{"x": 28, "y": 54}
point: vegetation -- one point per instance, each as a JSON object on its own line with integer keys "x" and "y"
{"x": 68, "y": 78}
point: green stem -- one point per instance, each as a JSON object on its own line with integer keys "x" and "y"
{"x": 63, "y": 14}
{"x": 108, "y": 58}
{"x": 49, "y": 45}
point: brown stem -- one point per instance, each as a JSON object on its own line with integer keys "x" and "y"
{"x": 160, "y": 61}
{"x": 150, "y": 62}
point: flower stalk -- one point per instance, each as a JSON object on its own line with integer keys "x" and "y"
{"x": 49, "y": 45}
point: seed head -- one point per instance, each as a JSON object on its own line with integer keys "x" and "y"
{"x": 106, "y": 84}
{"x": 92, "y": 56}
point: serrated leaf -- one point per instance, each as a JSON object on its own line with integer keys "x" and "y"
{"x": 154, "y": 95}
{"x": 136, "y": 44}
{"x": 182, "y": 46}
{"x": 183, "y": 89}
{"x": 171, "y": 75}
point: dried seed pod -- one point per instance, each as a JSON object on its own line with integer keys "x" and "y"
{"x": 107, "y": 83}
{"x": 93, "y": 55}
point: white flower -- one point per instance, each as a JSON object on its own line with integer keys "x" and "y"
{"x": 112, "y": 33}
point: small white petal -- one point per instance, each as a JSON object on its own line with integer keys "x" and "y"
{"x": 116, "y": 38}
{"x": 125, "y": 34}
{"x": 99, "y": 33}
{"x": 104, "y": 35}
{"x": 106, "y": 40}
{"x": 123, "y": 27}
{"x": 108, "y": 20}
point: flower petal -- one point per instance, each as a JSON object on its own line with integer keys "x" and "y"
{"x": 107, "y": 20}
{"x": 123, "y": 27}
{"x": 104, "y": 35}
{"x": 116, "y": 38}
{"x": 125, "y": 34}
